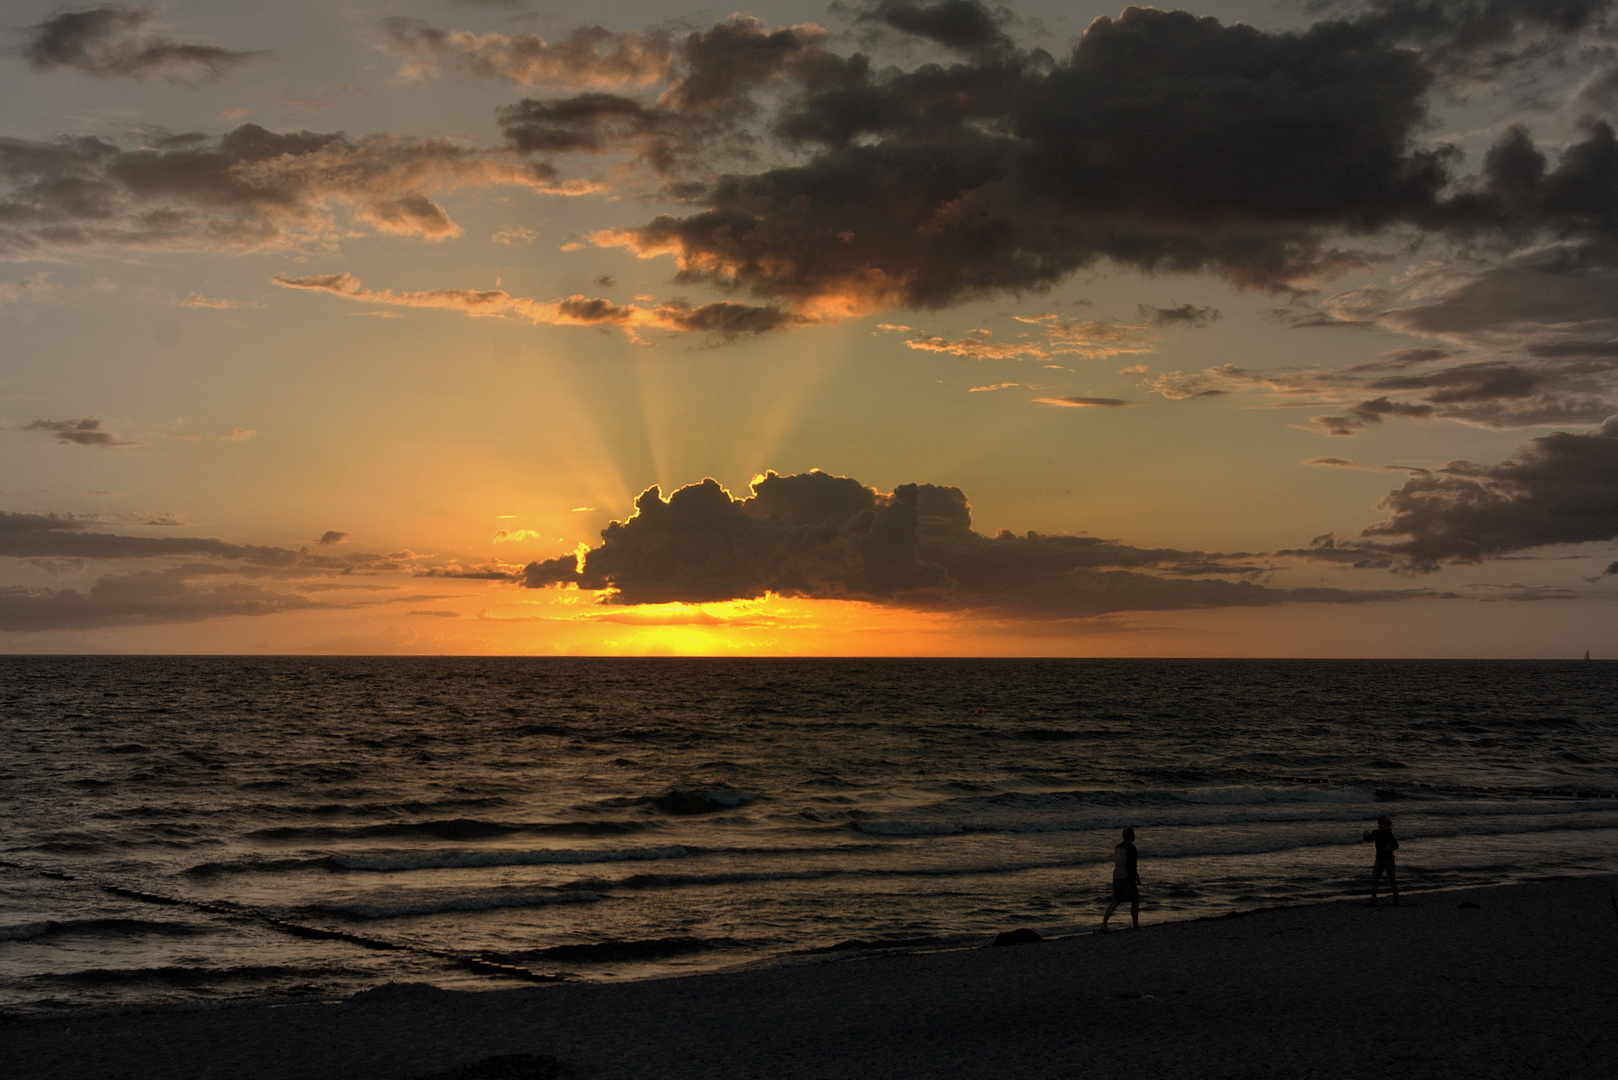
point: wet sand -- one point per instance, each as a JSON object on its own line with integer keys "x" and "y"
{"x": 1523, "y": 984}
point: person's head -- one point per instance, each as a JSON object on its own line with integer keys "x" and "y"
{"x": 1384, "y": 822}
{"x": 1129, "y": 835}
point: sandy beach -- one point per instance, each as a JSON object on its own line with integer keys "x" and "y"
{"x": 1496, "y": 982}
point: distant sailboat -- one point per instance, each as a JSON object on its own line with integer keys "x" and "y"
{"x": 1587, "y": 654}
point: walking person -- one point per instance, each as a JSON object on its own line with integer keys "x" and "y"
{"x": 1386, "y": 845}
{"x": 1125, "y": 880}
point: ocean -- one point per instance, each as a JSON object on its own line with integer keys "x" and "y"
{"x": 192, "y": 830}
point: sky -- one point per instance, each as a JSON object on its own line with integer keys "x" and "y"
{"x": 890, "y": 327}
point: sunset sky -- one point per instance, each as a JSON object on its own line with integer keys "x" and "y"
{"x": 1273, "y": 329}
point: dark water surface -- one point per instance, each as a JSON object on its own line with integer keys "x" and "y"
{"x": 194, "y": 829}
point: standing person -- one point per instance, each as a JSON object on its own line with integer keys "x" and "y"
{"x": 1386, "y": 845}
{"x": 1125, "y": 880}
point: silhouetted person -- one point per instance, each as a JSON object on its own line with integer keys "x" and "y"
{"x": 1386, "y": 845}
{"x": 1125, "y": 880}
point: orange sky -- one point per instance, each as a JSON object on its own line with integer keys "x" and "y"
{"x": 339, "y": 331}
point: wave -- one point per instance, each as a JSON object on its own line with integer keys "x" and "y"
{"x": 1064, "y": 811}
{"x": 373, "y": 809}
{"x": 620, "y": 951}
{"x": 560, "y": 730}
{"x": 449, "y": 829}
{"x": 1233, "y": 795}
{"x": 180, "y": 975}
{"x": 456, "y": 858}
{"x": 1041, "y": 734}
{"x": 732, "y": 877}
{"x": 685, "y": 801}
{"x": 878, "y": 944}
{"x": 442, "y": 860}
{"x": 911, "y": 828}
{"x": 112, "y": 928}
{"x": 396, "y": 906}
{"x": 256, "y": 866}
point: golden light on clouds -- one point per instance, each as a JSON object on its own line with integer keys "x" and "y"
{"x": 1082, "y": 402}
{"x": 851, "y": 242}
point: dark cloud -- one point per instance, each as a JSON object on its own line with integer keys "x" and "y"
{"x": 1369, "y": 412}
{"x": 1160, "y": 142}
{"x": 85, "y": 431}
{"x": 819, "y": 536}
{"x": 1337, "y": 425}
{"x": 1564, "y": 383}
{"x": 142, "y": 598}
{"x": 719, "y": 319}
{"x": 962, "y": 25}
{"x": 193, "y": 579}
{"x": 1163, "y": 141}
{"x": 250, "y": 188}
{"x": 1481, "y": 40}
{"x": 57, "y": 536}
{"x": 1558, "y": 489}
{"x": 332, "y": 536}
{"x": 1491, "y": 593}
{"x": 1611, "y": 569}
{"x": 726, "y": 320}
{"x": 701, "y": 116}
{"x": 1184, "y": 315}
{"x": 590, "y": 123}
{"x": 725, "y": 63}
{"x": 112, "y": 40}
{"x": 1400, "y": 359}
{"x": 1458, "y": 385}
{"x": 1374, "y": 410}
{"x": 473, "y": 575}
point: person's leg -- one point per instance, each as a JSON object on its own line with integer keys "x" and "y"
{"x": 1134, "y": 913}
{"x": 1393, "y": 884}
{"x": 1112, "y": 907}
{"x": 1376, "y": 878}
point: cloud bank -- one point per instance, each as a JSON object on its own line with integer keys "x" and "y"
{"x": 818, "y": 536}
{"x": 1161, "y": 141}
{"x": 1558, "y": 489}
{"x": 193, "y": 579}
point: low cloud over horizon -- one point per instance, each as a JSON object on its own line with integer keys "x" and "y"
{"x": 195, "y": 579}
{"x": 817, "y": 536}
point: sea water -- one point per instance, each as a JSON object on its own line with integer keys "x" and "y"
{"x": 209, "y": 829}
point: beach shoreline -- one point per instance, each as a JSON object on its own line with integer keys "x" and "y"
{"x": 1511, "y": 980}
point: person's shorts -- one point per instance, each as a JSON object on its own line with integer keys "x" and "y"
{"x": 1126, "y": 890}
